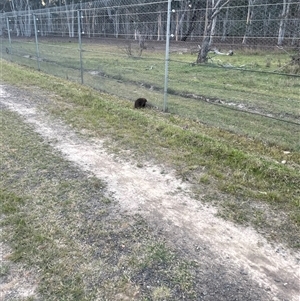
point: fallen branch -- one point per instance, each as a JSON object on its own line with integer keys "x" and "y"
{"x": 216, "y": 51}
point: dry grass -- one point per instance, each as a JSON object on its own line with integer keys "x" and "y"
{"x": 60, "y": 221}
{"x": 63, "y": 227}
{"x": 249, "y": 171}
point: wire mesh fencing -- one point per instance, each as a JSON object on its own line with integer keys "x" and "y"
{"x": 230, "y": 64}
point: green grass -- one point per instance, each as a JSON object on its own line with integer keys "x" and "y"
{"x": 108, "y": 68}
{"x": 60, "y": 224}
{"x": 229, "y": 167}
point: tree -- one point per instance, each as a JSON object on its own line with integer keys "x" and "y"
{"x": 22, "y": 24}
{"x": 70, "y": 14}
{"x": 249, "y": 20}
{"x": 295, "y": 10}
{"x": 213, "y": 8}
{"x": 196, "y": 10}
{"x": 4, "y": 6}
{"x": 283, "y": 21}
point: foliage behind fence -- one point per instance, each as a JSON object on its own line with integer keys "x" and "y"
{"x": 239, "y": 22}
{"x": 120, "y": 47}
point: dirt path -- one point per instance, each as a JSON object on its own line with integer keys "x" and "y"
{"x": 165, "y": 200}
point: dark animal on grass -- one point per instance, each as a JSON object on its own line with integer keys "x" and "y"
{"x": 140, "y": 103}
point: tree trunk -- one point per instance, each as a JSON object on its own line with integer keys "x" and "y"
{"x": 205, "y": 47}
{"x": 225, "y": 22}
{"x": 70, "y": 18}
{"x": 296, "y": 23}
{"x": 212, "y": 11}
{"x": 194, "y": 19}
{"x": 249, "y": 21}
{"x": 86, "y": 29}
{"x": 116, "y": 23}
{"x": 266, "y": 21}
{"x": 27, "y": 26}
{"x": 159, "y": 27}
{"x": 179, "y": 22}
{"x": 93, "y": 22}
{"x": 212, "y": 30}
{"x": 49, "y": 27}
{"x": 72, "y": 23}
{"x": 282, "y": 25}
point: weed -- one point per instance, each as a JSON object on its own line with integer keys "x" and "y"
{"x": 161, "y": 293}
{"x": 268, "y": 62}
{"x": 4, "y": 269}
{"x": 9, "y": 202}
{"x": 204, "y": 179}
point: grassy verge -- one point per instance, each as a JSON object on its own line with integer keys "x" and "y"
{"x": 245, "y": 178}
{"x": 60, "y": 222}
{"x": 211, "y": 93}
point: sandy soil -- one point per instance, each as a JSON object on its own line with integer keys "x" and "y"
{"x": 165, "y": 200}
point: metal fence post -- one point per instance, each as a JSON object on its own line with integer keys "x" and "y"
{"x": 165, "y": 107}
{"x": 36, "y": 43}
{"x": 80, "y": 44}
{"x": 9, "y": 39}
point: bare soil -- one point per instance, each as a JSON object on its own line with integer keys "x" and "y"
{"x": 240, "y": 253}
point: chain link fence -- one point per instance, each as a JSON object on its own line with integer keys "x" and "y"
{"x": 229, "y": 64}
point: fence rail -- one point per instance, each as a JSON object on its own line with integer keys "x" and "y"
{"x": 235, "y": 67}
